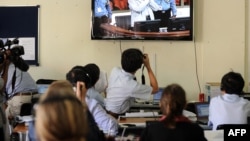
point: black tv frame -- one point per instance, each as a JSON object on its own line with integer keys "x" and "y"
{"x": 188, "y": 24}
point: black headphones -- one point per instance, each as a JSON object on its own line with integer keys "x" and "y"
{"x": 89, "y": 83}
{"x": 142, "y": 75}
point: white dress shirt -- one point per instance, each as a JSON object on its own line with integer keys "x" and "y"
{"x": 122, "y": 89}
{"x": 94, "y": 94}
{"x": 105, "y": 122}
{"x": 141, "y": 8}
{"x": 228, "y": 109}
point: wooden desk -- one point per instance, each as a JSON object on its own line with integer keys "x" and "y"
{"x": 21, "y": 128}
{"x": 135, "y": 34}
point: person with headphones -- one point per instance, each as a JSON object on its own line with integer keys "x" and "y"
{"x": 229, "y": 107}
{"x": 123, "y": 88}
{"x": 89, "y": 74}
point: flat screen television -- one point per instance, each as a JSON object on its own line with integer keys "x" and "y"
{"x": 125, "y": 21}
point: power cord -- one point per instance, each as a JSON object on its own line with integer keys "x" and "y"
{"x": 196, "y": 66}
{"x": 142, "y": 76}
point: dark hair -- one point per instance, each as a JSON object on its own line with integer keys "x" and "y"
{"x": 131, "y": 60}
{"x": 173, "y": 101}
{"x": 232, "y": 83}
{"x": 88, "y": 74}
{"x": 93, "y": 71}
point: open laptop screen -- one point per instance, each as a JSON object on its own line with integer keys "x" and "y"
{"x": 202, "y": 109}
{"x": 157, "y": 96}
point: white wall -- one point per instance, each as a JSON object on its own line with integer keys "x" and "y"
{"x": 219, "y": 35}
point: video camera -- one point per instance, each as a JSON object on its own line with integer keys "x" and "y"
{"x": 13, "y": 53}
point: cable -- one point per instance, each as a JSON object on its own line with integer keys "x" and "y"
{"x": 123, "y": 132}
{"x": 120, "y": 46}
{"x": 153, "y": 114}
{"x": 196, "y": 66}
{"x": 142, "y": 76}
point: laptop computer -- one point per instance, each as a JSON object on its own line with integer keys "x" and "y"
{"x": 157, "y": 96}
{"x": 202, "y": 112}
{"x": 147, "y": 26}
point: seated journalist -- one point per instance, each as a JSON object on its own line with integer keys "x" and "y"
{"x": 122, "y": 86}
{"x": 60, "y": 115}
{"x": 229, "y": 107}
{"x": 89, "y": 75}
{"x": 173, "y": 126}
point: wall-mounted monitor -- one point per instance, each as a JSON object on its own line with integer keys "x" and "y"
{"x": 142, "y": 20}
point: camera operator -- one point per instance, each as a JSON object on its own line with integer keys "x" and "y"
{"x": 19, "y": 86}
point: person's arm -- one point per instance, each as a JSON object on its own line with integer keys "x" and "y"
{"x": 109, "y": 12}
{"x": 137, "y": 5}
{"x": 81, "y": 91}
{"x": 151, "y": 76}
{"x": 154, "y": 6}
{"x": 173, "y": 8}
{"x": 105, "y": 122}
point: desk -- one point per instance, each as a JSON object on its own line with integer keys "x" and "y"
{"x": 132, "y": 120}
{"x": 136, "y": 107}
{"x": 21, "y": 127}
{"x": 22, "y": 131}
{"x": 132, "y": 132}
{"x": 117, "y": 31}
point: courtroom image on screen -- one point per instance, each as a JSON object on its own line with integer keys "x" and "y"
{"x": 142, "y": 20}
{"x": 118, "y": 4}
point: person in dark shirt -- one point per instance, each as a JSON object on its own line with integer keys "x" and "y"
{"x": 173, "y": 126}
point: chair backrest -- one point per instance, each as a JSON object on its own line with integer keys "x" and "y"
{"x": 26, "y": 109}
{"x": 45, "y": 81}
{"x": 2, "y": 124}
{"x": 228, "y": 126}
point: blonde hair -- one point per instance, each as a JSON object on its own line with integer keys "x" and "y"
{"x": 60, "y": 116}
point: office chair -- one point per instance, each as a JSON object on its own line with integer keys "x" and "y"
{"x": 2, "y": 124}
{"x": 230, "y": 126}
{"x": 45, "y": 81}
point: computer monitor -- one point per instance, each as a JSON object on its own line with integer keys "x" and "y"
{"x": 202, "y": 109}
{"x": 42, "y": 88}
{"x": 179, "y": 24}
{"x": 157, "y": 96}
{"x": 147, "y": 26}
{"x": 123, "y": 21}
{"x": 246, "y": 96}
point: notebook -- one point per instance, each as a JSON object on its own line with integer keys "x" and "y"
{"x": 147, "y": 26}
{"x": 157, "y": 96}
{"x": 202, "y": 112}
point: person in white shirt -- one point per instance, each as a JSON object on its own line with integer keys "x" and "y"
{"x": 142, "y": 10}
{"x": 229, "y": 107}
{"x": 87, "y": 74}
{"x": 90, "y": 74}
{"x": 123, "y": 89}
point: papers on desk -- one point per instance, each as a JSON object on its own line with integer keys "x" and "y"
{"x": 135, "y": 124}
{"x": 21, "y": 119}
{"x": 142, "y": 114}
{"x": 190, "y": 115}
{"x": 214, "y": 135}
